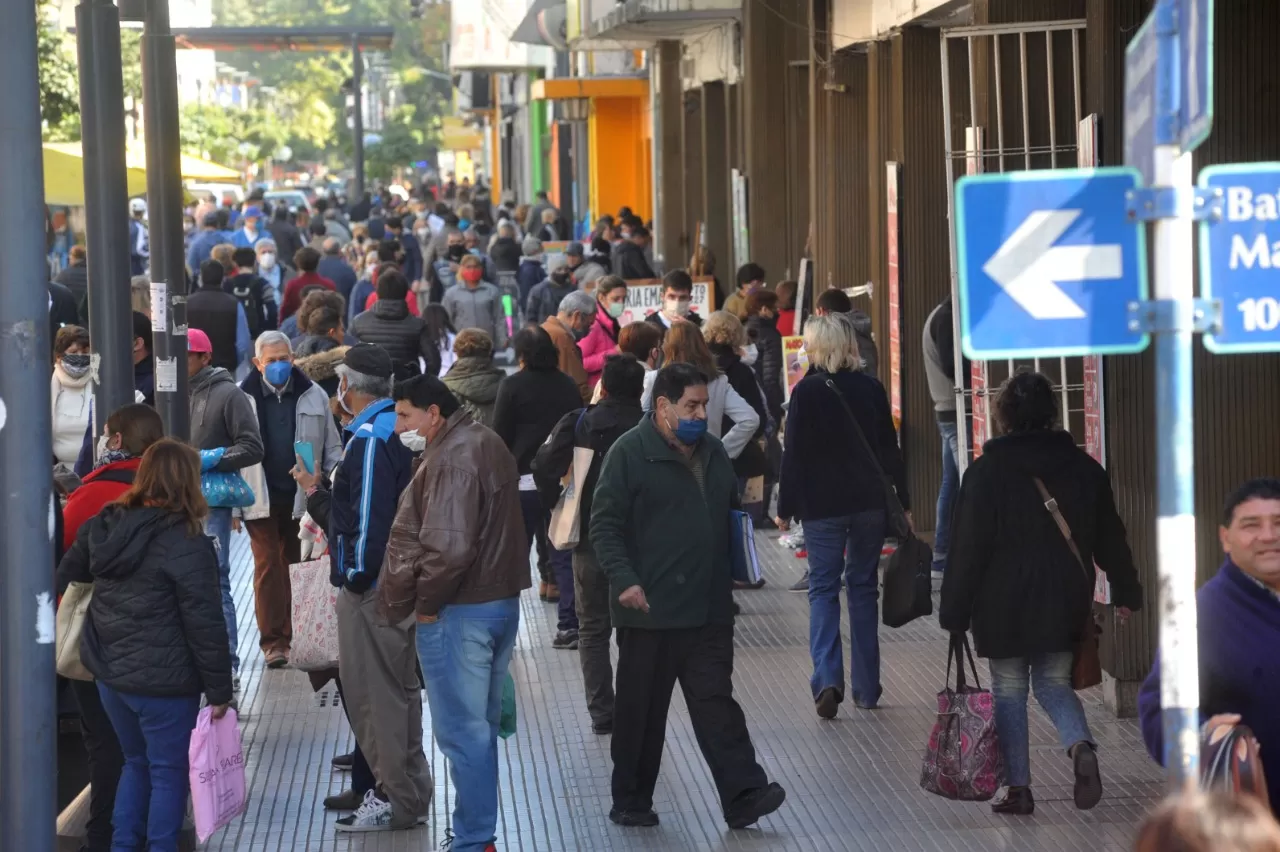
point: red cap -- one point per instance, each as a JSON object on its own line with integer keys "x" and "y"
{"x": 198, "y": 341}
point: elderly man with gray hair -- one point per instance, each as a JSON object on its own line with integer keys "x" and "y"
{"x": 291, "y": 410}
{"x": 376, "y": 661}
{"x": 576, "y": 314}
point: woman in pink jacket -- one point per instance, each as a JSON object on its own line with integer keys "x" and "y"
{"x": 602, "y": 340}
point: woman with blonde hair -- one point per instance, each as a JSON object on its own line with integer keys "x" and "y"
{"x": 1210, "y": 822}
{"x": 727, "y": 340}
{"x": 685, "y": 344}
{"x": 831, "y": 483}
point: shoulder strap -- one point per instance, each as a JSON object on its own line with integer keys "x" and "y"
{"x": 1052, "y": 505}
{"x": 857, "y": 427}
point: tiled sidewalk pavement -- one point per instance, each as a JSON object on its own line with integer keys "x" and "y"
{"x": 851, "y": 784}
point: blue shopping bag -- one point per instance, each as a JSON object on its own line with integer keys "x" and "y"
{"x": 742, "y": 548}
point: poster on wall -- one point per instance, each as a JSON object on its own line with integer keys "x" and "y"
{"x": 644, "y": 297}
{"x": 892, "y": 185}
{"x": 795, "y": 362}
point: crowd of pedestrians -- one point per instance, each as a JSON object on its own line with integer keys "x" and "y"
{"x": 359, "y": 397}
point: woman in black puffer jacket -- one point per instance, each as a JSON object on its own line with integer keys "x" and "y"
{"x": 154, "y": 638}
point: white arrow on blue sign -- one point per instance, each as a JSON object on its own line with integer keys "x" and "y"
{"x": 1048, "y": 263}
{"x": 1240, "y": 257}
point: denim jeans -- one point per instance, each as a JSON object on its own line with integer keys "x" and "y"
{"x": 847, "y": 547}
{"x": 465, "y": 656}
{"x": 946, "y": 494}
{"x": 218, "y": 527}
{"x": 151, "y": 800}
{"x": 561, "y": 573}
{"x": 1050, "y": 677}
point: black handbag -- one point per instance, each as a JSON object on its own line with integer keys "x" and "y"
{"x": 895, "y": 517}
{"x": 908, "y": 592}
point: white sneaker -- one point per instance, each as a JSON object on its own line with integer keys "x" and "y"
{"x": 372, "y": 815}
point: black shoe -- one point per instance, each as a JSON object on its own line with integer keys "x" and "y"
{"x": 602, "y": 727}
{"x": 344, "y": 762}
{"x": 736, "y": 609}
{"x": 566, "y": 640}
{"x": 1017, "y": 801}
{"x": 634, "y": 819}
{"x": 748, "y": 808}
{"x": 347, "y": 800}
{"x": 1088, "y": 791}
{"x": 828, "y": 703}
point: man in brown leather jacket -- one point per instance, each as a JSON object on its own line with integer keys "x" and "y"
{"x": 458, "y": 557}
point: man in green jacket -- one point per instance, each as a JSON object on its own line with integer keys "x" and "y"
{"x": 660, "y": 528}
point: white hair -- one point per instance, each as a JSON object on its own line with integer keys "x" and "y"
{"x": 578, "y": 302}
{"x": 271, "y": 338}
{"x": 374, "y": 386}
{"x": 264, "y": 244}
{"x": 831, "y": 344}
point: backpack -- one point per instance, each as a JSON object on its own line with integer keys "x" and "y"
{"x": 866, "y": 344}
{"x": 250, "y": 296}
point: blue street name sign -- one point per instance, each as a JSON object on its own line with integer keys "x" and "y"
{"x": 1048, "y": 263}
{"x": 1191, "y": 82}
{"x": 1240, "y": 257}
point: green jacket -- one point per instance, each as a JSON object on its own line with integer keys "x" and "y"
{"x": 651, "y": 526}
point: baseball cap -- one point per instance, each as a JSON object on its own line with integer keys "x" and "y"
{"x": 211, "y": 220}
{"x": 198, "y": 341}
{"x": 574, "y": 249}
{"x": 255, "y": 212}
{"x": 369, "y": 359}
{"x": 138, "y": 205}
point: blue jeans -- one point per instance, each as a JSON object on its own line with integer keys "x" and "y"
{"x": 151, "y": 800}
{"x": 946, "y": 494}
{"x": 218, "y": 527}
{"x": 847, "y": 546}
{"x": 535, "y": 518}
{"x": 1050, "y": 677}
{"x": 465, "y": 657}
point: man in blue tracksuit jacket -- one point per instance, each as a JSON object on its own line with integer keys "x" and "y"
{"x": 377, "y": 661}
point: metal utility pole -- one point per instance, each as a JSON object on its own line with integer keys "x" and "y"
{"x": 28, "y": 715}
{"x": 164, "y": 198}
{"x": 357, "y": 113}
{"x": 106, "y": 203}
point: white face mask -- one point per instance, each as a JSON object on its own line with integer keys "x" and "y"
{"x": 342, "y": 397}
{"x": 676, "y": 307}
{"x": 750, "y": 354}
{"x": 414, "y": 442}
{"x": 267, "y": 260}
{"x": 370, "y": 269}
{"x": 102, "y": 447}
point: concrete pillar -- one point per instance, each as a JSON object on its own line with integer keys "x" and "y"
{"x": 670, "y": 140}
{"x": 694, "y": 212}
{"x": 717, "y": 212}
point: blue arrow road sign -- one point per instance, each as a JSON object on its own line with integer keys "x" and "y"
{"x": 1240, "y": 257}
{"x": 1048, "y": 263}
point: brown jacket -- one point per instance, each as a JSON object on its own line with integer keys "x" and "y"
{"x": 570, "y": 356}
{"x": 458, "y": 536}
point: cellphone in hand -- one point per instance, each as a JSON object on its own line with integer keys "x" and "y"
{"x": 307, "y": 454}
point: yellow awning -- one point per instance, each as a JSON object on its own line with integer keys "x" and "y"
{"x": 563, "y": 88}
{"x": 64, "y": 175}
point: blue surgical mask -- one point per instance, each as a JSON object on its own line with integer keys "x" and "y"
{"x": 277, "y": 373}
{"x": 689, "y": 432}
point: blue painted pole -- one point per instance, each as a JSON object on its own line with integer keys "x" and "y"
{"x": 1175, "y": 446}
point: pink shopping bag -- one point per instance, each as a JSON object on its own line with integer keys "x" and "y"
{"x": 217, "y": 772}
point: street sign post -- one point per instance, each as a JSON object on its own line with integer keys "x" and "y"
{"x": 1049, "y": 263}
{"x": 1240, "y": 257}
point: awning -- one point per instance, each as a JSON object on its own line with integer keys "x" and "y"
{"x": 64, "y": 175}
{"x": 567, "y": 88}
{"x": 544, "y": 23}
{"x": 198, "y": 168}
{"x": 643, "y": 23}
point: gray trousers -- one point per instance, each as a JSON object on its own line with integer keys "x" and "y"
{"x": 595, "y": 628}
{"x": 379, "y": 670}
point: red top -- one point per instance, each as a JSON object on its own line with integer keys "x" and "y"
{"x": 87, "y": 500}
{"x": 293, "y": 292}
{"x": 786, "y": 323}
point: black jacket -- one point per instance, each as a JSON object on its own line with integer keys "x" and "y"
{"x": 505, "y": 253}
{"x": 76, "y": 279}
{"x": 825, "y": 472}
{"x": 768, "y": 364}
{"x": 751, "y": 461}
{"x": 530, "y": 403}
{"x": 288, "y": 239}
{"x": 255, "y": 294}
{"x": 155, "y": 624}
{"x": 62, "y": 310}
{"x": 213, "y": 311}
{"x": 1010, "y": 575}
{"x": 596, "y": 429}
{"x": 630, "y": 262}
{"x": 389, "y": 324}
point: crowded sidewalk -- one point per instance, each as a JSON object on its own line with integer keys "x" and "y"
{"x": 852, "y": 783}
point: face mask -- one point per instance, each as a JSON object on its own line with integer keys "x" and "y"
{"x": 457, "y": 252}
{"x": 581, "y": 333}
{"x": 750, "y": 355}
{"x": 413, "y": 442}
{"x": 676, "y": 307}
{"x": 422, "y": 233}
{"x": 472, "y": 274}
{"x": 277, "y": 373}
{"x": 689, "y": 432}
{"x": 560, "y": 277}
{"x": 267, "y": 260}
{"x": 102, "y": 447}
{"x": 463, "y": 224}
{"x": 370, "y": 268}
{"x": 342, "y": 398}
{"x": 75, "y": 366}
{"x": 616, "y": 308}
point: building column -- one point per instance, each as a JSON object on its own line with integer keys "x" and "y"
{"x": 717, "y": 213}
{"x": 670, "y": 159}
{"x": 694, "y": 213}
